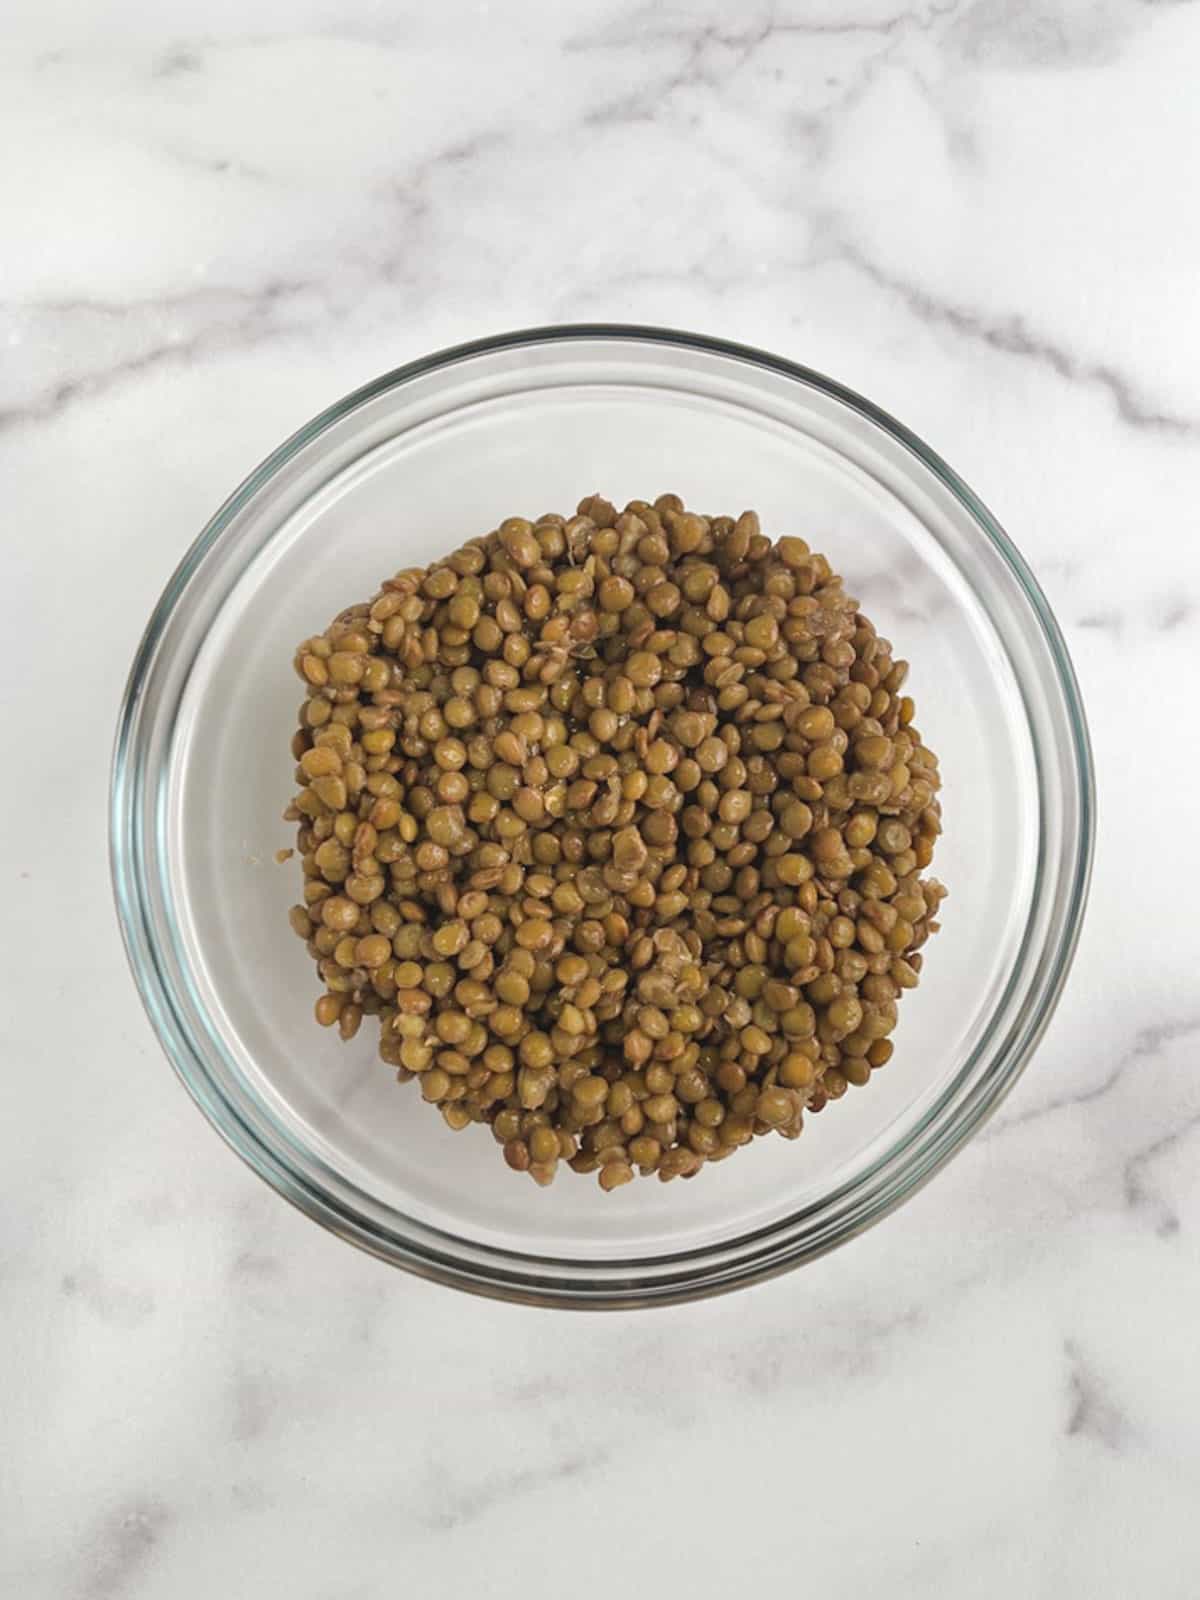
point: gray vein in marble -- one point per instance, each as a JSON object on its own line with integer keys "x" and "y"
{"x": 123, "y": 1547}
{"x": 209, "y": 166}
{"x": 1065, "y": 567}
{"x": 460, "y": 1505}
{"x": 1043, "y": 33}
{"x": 112, "y": 1302}
{"x": 254, "y": 1405}
{"x": 764, "y": 1367}
{"x": 178, "y": 62}
{"x": 902, "y": 591}
{"x": 1110, "y": 622}
{"x": 243, "y": 318}
{"x": 641, "y": 28}
{"x": 1092, "y": 1413}
{"x": 410, "y": 193}
{"x": 1163, "y": 619}
{"x": 228, "y": 318}
{"x": 711, "y": 57}
{"x": 1147, "y": 1042}
{"x": 1139, "y": 1194}
{"x": 255, "y": 1266}
{"x": 705, "y": 275}
{"x": 371, "y": 1303}
{"x": 249, "y": 1495}
{"x": 1011, "y": 335}
{"x": 202, "y": 296}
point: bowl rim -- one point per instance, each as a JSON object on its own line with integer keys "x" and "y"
{"x": 514, "y": 1276}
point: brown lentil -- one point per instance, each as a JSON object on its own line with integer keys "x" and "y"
{"x": 617, "y": 824}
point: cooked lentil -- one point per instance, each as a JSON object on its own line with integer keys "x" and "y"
{"x": 617, "y": 825}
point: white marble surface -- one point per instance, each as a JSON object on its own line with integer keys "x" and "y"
{"x": 214, "y": 219}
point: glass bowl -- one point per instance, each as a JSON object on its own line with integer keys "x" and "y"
{"x": 405, "y": 470}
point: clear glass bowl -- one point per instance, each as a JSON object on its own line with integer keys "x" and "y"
{"x": 405, "y": 470}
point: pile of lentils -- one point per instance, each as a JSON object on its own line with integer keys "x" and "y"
{"x": 616, "y": 823}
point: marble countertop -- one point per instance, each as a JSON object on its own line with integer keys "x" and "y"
{"x": 978, "y": 212}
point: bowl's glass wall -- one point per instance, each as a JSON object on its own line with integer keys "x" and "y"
{"x": 410, "y": 473}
